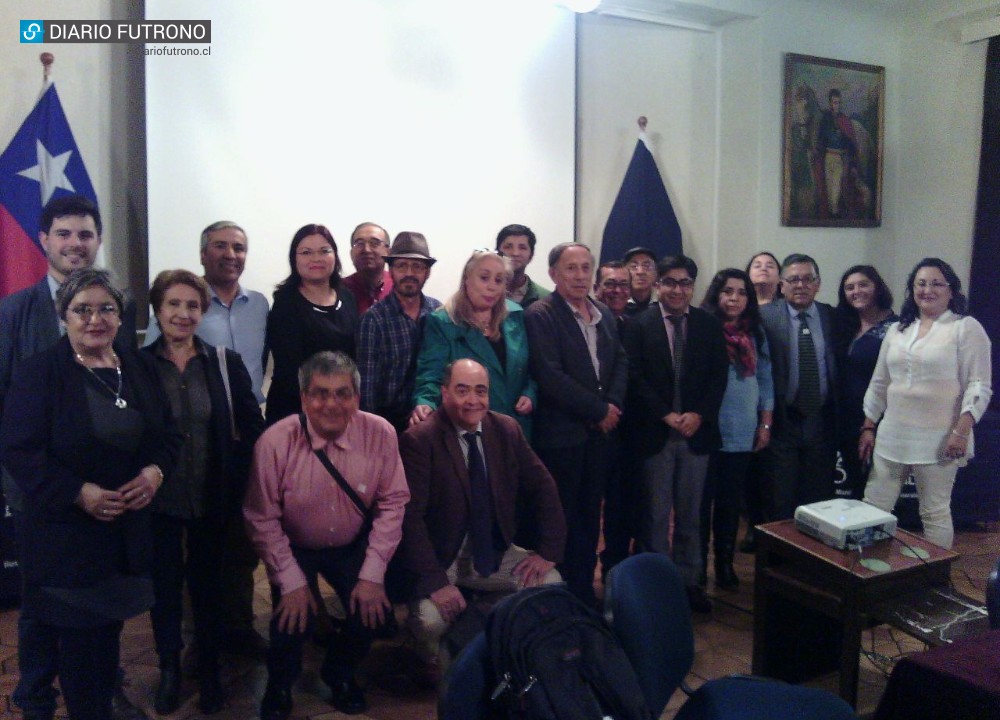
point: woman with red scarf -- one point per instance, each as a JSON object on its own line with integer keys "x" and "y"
{"x": 744, "y": 418}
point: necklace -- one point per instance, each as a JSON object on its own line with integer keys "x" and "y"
{"x": 119, "y": 400}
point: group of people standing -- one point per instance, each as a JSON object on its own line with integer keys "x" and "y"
{"x": 419, "y": 452}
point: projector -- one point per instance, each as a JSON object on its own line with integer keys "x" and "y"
{"x": 844, "y": 523}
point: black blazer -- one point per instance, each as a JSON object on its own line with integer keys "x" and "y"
{"x": 704, "y": 376}
{"x": 776, "y": 323}
{"x": 572, "y": 399}
{"x": 49, "y": 447}
{"x": 228, "y": 459}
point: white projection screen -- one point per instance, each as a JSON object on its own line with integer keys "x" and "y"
{"x": 441, "y": 116}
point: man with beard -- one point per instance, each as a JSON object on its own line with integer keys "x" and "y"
{"x": 390, "y": 332}
{"x": 371, "y": 282}
{"x": 612, "y": 288}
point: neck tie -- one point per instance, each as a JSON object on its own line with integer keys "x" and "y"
{"x": 809, "y": 399}
{"x": 481, "y": 522}
{"x": 678, "y": 322}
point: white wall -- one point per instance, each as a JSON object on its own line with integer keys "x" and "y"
{"x": 427, "y": 115}
{"x": 627, "y": 69}
{"x": 941, "y": 117}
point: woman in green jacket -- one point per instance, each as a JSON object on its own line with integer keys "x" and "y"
{"x": 478, "y": 322}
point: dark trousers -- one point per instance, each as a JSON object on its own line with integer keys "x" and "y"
{"x": 801, "y": 460}
{"x": 347, "y": 648}
{"x": 855, "y": 471}
{"x": 79, "y": 656}
{"x": 720, "y": 504}
{"x": 754, "y": 490}
{"x": 37, "y": 659}
{"x": 203, "y": 540}
{"x": 580, "y": 473}
{"x": 621, "y": 502}
{"x": 88, "y": 669}
{"x": 236, "y": 583}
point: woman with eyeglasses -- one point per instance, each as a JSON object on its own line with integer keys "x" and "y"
{"x": 864, "y": 313}
{"x": 312, "y": 311}
{"x": 480, "y": 323}
{"x": 932, "y": 383}
{"x": 211, "y": 399}
{"x": 744, "y": 419}
{"x": 88, "y": 439}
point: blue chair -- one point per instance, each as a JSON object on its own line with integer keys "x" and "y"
{"x": 993, "y": 596}
{"x": 646, "y": 602}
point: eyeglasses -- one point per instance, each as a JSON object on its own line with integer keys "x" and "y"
{"x": 616, "y": 285}
{"x": 322, "y": 395}
{"x": 645, "y": 265}
{"x": 804, "y": 280}
{"x": 670, "y": 283}
{"x": 322, "y": 252}
{"x": 86, "y": 312}
{"x": 933, "y": 284}
{"x": 373, "y": 243}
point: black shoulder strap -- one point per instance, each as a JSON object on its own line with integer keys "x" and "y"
{"x": 331, "y": 468}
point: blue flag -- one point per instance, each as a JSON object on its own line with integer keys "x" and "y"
{"x": 642, "y": 213}
{"x": 41, "y": 162}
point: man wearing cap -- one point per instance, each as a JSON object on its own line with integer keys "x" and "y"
{"x": 390, "y": 332}
{"x": 641, "y": 264}
{"x": 372, "y": 282}
{"x": 517, "y": 242}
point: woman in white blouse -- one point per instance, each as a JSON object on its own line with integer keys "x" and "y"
{"x": 931, "y": 385}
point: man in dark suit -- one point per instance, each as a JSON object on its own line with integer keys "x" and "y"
{"x": 800, "y": 332}
{"x": 470, "y": 471}
{"x": 580, "y": 367}
{"x": 678, "y": 369}
{"x": 70, "y": 234}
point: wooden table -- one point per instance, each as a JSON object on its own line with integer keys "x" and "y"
{"x": 812, "y": 601}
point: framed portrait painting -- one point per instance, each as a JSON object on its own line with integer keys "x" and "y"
{"x": 834, "y": 116}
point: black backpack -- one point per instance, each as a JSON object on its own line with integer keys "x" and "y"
{"x": 554, "y": 658}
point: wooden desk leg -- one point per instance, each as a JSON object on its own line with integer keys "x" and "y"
{"x": 760, "y": 629}
{"x": 850, "y": 644}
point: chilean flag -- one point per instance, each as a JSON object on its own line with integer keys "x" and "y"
{"x": 642, "y": 214}
{"x": 41, "y": 162}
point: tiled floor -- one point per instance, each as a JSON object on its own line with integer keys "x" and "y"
{"x": 723, "y": 645}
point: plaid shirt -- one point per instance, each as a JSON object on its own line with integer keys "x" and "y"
{"x": 387, "y": 347}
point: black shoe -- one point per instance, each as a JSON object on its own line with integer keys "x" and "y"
{"x": 276, "y": 704}
{"x": 698, "y": 600}
{"x": 725, "y": 576}
{"x": 348, "y": 698}
{"x": 211, "y": 698}
{"x": 168, "y": 694}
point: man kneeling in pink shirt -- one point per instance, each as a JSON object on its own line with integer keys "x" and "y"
{"x": 305, "y": 521}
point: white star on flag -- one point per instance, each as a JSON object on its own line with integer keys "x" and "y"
{"x": 50, "y": 172}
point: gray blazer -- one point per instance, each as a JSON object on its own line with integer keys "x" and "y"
{"x": 774, "y": 317}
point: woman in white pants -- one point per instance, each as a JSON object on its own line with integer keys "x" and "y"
{"x": 931, "y": 385}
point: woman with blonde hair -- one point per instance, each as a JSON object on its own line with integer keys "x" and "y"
{"x": 478, "y": 322}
